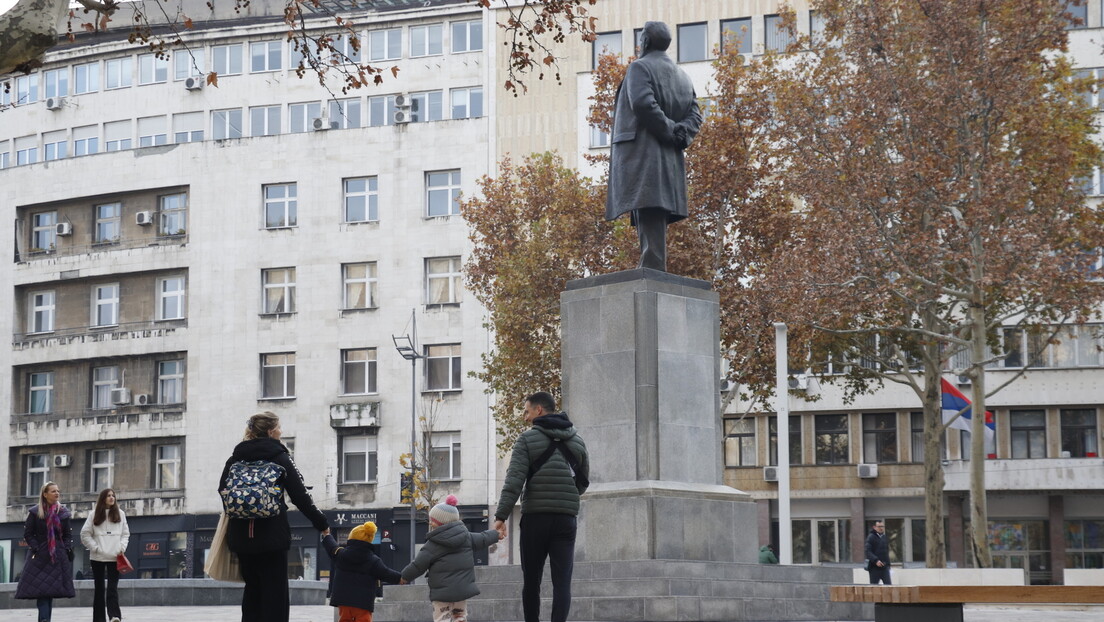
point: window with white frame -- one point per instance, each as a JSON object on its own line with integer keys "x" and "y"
{"x": 38, "y": 472}
{"x": 279, "y": 290}
{"x": 385, "y": 44}
{"x": 5, "y": 93}
{"x": 153, "y": 131}
{"x": 280, "y": 205}
{"x": 170, "y": 298}
{"x": 26, "y": 89}
{"x": 5, "y": 154}
{"x": 817, "y": 25}
{"x": 55, "y": 83}
{"x": 86, "y": 78}
{"x": 345, "y": 113}
{"x": 42, "y": 312}
{"x": 426, "y": 40}
{"x": 345, "y": 50}
{"x": 605, "y": 43}
{"x": 105, "y": 304}
{"x": 55, "y": 145}
{"x": 118, "y": 73}
{"x": 442, "y": 193}
{"x": 381, "y": 110}
{"x": 444, "y": 455}
{"x": 599, "y": 138}
{"x": 1077, "y": 15}
{"x": 879, "y": 438}
{"x": 152, "y": 69}
{"x": 104, "y": 379}
{"x": 174, "y": 214}
{"x": 358, "y": 459}
{"x": 302, "y": 115}
{"x": 188, "y": 127}
{"x": 693, "y": 43}
{"x": 101, "y": 469}
{"x": 361, "y": 199}
{"x": 43, "y": 230}
{"x": 41, "y": 397}
{"x": 360, "y": 285}
{"x": 117, "y": 135}
{"x": 444, "y": 280}
{"x": 166, "y": 467}
{"x": 188, "y": 63}
{"x": 278, "y": 375}
{"x": 265, "y": 56}
{"x": 170, "y": 382}
{"x": 467, "y": 103}
{"x": 226, "y": 60}
{"x": 264, "y": 120}
{"x": 86, "y": 140}
{"x": 777, "y": 37}
{"x": 467, "y": 36}
{"x": 739, "y": 442}
{"x": 26, "y": 150}
{"x": 226, "y": 123}
{"x": 442, "y": 367}
{"x": 358, "y": 371}
{"x": 426, "y": 107}
{"x": 737, "y": 33}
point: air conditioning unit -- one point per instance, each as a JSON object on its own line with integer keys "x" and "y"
{"x": 64, "y": 228}
{"x": 54, "y": 103}
{"x": 799, "y": 382}
{"x": 868, "y": 471}
{"x": 194, "y": 83}
{"x": 120, "y": 396}
{"x": 62, "y": 460}
{"x": 402, "y": 101}
{"x": 143, "y": 399}
{"x": 727, "y": 386}
{"x": 319, "y": 124}
{"x": 964, "y": 380}
{"x": 770, "y": 474}
{"x": 401, "y": 117}
{"x": 144, "y": 218}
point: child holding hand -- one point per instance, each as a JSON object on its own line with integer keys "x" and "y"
{"x": 355, "y": 571}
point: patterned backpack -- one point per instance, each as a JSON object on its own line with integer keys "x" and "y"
{"x": 253, "y": 490}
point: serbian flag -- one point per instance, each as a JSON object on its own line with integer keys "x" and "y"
{"x": 954, "y": 401}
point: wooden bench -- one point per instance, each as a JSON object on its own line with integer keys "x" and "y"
{"x": 943, "y": 603}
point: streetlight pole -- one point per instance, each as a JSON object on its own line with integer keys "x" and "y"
{"x": 407, "y": 347}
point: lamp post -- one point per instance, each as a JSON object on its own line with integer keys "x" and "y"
{"x": 407, "y": 347}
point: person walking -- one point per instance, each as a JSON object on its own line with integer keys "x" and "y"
{"x": 48, "y": 570}
{"x": 262, "y": 544}
{"x": 105, "y": 534}
{"x": 448, "y": 558}
{"x": 877, "y": 555}
{"x": 549, "y": 469}
{"x": 356, "y": 568}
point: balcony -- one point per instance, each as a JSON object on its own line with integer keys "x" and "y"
{"x": 1041, "y": 474}
{"x": 46, "y": 342}
{"x": 354, "y": 415}
{"x": 26, "y": 255}
{"x": 89, "y": 425}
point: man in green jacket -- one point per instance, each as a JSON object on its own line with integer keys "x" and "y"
{"x": 549, "y": 469}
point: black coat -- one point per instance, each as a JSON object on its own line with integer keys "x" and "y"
{"x": 355, "y": 571}
{"x": 42, "y": 576}
{"x": 877, "y": 549}
{"x": 261, "y": 535}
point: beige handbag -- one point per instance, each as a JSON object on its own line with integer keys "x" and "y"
{"x": 222, "y": 564}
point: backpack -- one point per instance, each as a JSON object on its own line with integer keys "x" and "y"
{"x": 253, "y": 490}
{"x": 582, "y": 482}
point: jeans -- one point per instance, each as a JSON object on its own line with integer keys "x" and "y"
{"x": 45, "y": 609}
{"x": 879, "y": 574}
{"x": 265, "y": 597}
{"x": 550, "y": 536}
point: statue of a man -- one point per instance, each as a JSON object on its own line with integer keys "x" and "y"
{"x": 655, "y": 118}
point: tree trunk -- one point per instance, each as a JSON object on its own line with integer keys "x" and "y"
{"x": 935, "y": 554}
{"x": 27, "y": 30}
{"x": 979, "y": 512}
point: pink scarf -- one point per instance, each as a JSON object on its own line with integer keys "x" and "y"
{"x": 53, "y": 528}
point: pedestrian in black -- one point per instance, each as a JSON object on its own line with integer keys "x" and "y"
{"x": 877, "y": 555}
{"x": 549, "y": 464}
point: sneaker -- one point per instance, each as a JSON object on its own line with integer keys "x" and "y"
{"x": 116, "y": 620}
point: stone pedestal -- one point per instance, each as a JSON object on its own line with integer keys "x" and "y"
{"x": 641, "y": 375}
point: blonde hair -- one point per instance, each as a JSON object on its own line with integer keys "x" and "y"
{"x": 260, "y": 424}
{"x": 42, "y": 499}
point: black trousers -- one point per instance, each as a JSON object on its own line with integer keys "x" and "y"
{"x": 105, "y": 601}
{"x": 651, "y": 230}
{"x": 265, "y": 598}
{"x": 552, "y": 537}
{"x": 879, "y": 574}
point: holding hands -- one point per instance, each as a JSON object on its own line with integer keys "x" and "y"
{"x": 500, "y": 527}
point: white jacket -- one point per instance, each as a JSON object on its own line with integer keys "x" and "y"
{"x": 106, "y": 540}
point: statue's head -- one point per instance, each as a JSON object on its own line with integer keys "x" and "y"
{"x": 656, "y": 36}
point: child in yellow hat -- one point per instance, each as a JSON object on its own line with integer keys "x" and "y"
{"x": 355, "y": 571}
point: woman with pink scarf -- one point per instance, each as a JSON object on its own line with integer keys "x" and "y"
{"x": 48, "y": 571}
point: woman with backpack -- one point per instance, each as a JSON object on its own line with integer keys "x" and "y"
{"x": 105, "y": 534}
{"x": 262, "y": 544}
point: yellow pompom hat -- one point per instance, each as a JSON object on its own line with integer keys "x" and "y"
{"x": 365, "y": 532}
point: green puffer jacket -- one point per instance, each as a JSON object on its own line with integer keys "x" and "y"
{"x": 448, "y": 557}
{"x": 552, "y": 489}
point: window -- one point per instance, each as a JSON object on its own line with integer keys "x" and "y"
{"x": 86, "y": 140}
{"x": 105, "y": 305}
{"x": 1077, "y": 15}
{"x": 443, "y": 368}
{"x": 693, "y": 43}
{"x": 777, "y": 39}
{"x": 1079, "y": 437}
{"x": 443, "y": 280}
{"x": 278, "y": 375}
{"x": 302, "y": 115}
{"x": 43, "y": 230}
{"x": 42, "y": 312}
{"x": 917, "y": 425}
{"x": 794, "y": 438}
{"x": 831, "y": 439}
{"x": 1084, "y": 543}
{"x": 102, "y": 467}
{"x": 174, "y": 214}
{"x": 226, "y": 124}
{"x": 264, "y": 121}
{"x": 5, "y": 155}
{"x": 26, "y": 89}
{"x": 879, "y": 438}
{"x": 188, "y": 127}
{"x": 358, "y": 459}
{"x": 360, "y": 285}
{"x": 821, "y": 541}
{"x": 467, "y": 103}
{"x": 467, "y": 36}
{"x": 26, "y": 150}
{"x": 167, "y": 467}
{"x": 361, "y": 199}
{"x": 152, "y": 69}
{"x": 104, "y": 379}
{"x": 280, "y": 205}
{"x": 265, "y": 56}
{"x": 226, "y": 60}
{"x": 385, "y": 44}
{"x": 41, "y": 398}
{"x": 426, "y": 107}
{"x": 444, "y": 455}
{"x": 739, "y": 442}
{"x": 279, "y": 290}
{"x": 442, "y": 193}
{"x": 170, "y": 298}
{"x": 358, "y": 371}
{"x": 188, "y": 64}
{"x": 54, "y": 145}
{"x": 152, "y": 131}
{"x": 1028, "y": 429}
{"x": 5, "y": 93}
{"x": 38, "y": 470}
{"x": 86, "y": 78}
{"x": 56, "y": 82}
{"x": 605, "y": 43}
{"x": 344, "y": 48}
{"x": 1075, "y": 346}
{"x": 170, "y": 382}
{"x": 381, "y": 110}
{"x": 817, "y": 24}
{"x": 599, "y": 138}
{"x": 345, "y": 113}
{"x": 117, "y": 135}
{"x": 425, "y": 40}
{"x": 118, "y": 73}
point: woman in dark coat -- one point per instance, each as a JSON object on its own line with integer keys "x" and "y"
{"x": 48, "y": 571}
{"x": 262, "y": 544}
